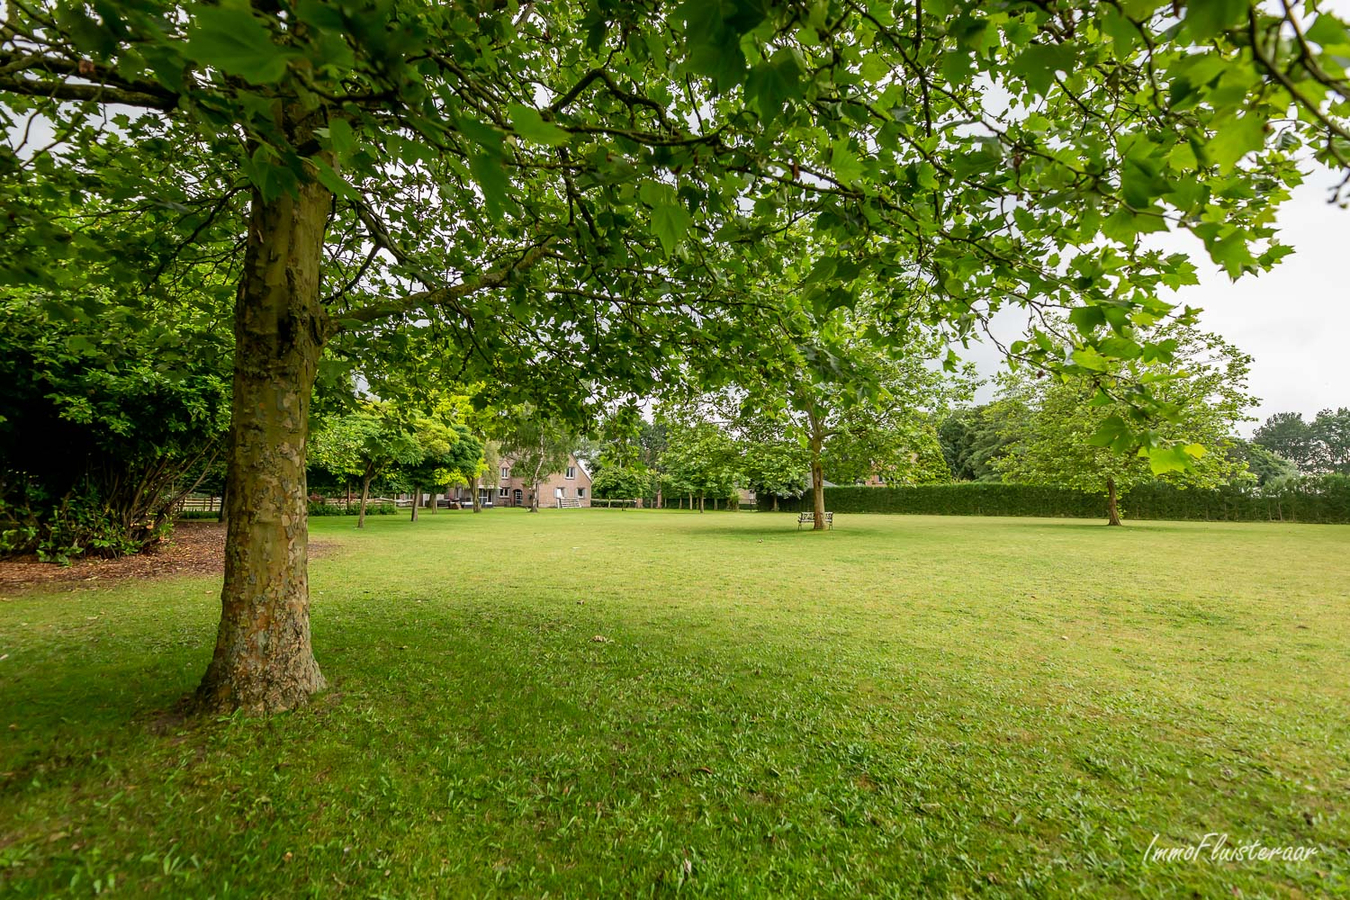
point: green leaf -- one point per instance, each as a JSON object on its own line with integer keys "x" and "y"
{"x": 1162, "y": 460}
{"x": 237, "y": 43}
{"x": 530, "y": 125}
{"x": 847, "y": 168}
{"x": 670, "y": 221}
{"x": 487, "y": 169}
{"x": 1328, "y": 31}
{"x": 771, "y": 84}
{"x": 1110, "y": 432}
{"x": 1089, "y": 358}
{"x": 1236, "y": 138}
{"x": 341, "y": 137}
{"x": 1208, "y": 18}
{"x": 875, "y": 67}
{"x": 1087, "y": 318}
{"x": 1038, "y": 64}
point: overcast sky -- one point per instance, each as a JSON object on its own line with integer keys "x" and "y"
{"x": 1294, "y": 320}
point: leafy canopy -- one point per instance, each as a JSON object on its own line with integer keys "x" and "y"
{"x": 575, "y": 195}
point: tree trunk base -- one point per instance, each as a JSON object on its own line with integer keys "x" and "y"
{"x": 271, "y": 687}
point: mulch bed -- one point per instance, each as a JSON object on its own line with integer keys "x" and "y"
{"x": 194, "y": 548}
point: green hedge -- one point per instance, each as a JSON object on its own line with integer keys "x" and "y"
{"x": 1318, "y": 500}
{"x": 337, "y": 509}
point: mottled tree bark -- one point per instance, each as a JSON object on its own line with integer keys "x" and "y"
{"x": 1112, "y": 509}
{"x": 473, "y": 494}
{"x": 263, "y": 661}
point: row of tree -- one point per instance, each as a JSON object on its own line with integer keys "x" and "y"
{"x": 883, "y": 420}
{"x": 1313, "y": 448}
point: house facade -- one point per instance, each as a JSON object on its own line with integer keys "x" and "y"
{"x": 570, "y": 487}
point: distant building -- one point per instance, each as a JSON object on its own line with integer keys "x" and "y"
{"x": 570, "y": 487}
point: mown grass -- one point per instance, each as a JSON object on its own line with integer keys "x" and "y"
{"x": 905, "y": 706}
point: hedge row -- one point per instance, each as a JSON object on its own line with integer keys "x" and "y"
{"x": 1318, "y": 500}
{"x": 338, "y": 509}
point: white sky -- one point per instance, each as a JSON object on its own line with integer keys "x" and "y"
{"x": 1293, "y": 320}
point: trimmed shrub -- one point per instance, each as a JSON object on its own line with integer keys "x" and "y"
{"x": 337, "y": 509}
{"x": 1324, "y": 500}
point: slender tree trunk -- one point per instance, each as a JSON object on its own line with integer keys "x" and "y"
{"x": 223, "y": 516}
{"x": 473, "y": 495}
{"x": 700, "y": 501}
{"x": 365, "y": 498}
{"x": 817, "y": 473}
{"x": 1112, "y": 510}
{"x": 416, "y": 501}
{"x": 775, "y": 503}
{"x": 263, "y": 659}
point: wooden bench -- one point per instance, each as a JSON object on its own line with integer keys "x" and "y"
{"x": 809, "y": 518}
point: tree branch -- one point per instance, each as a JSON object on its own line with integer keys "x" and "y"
{"x": 445, "y": 296}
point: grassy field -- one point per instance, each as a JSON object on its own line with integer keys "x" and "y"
{"x": 585, "y": 703}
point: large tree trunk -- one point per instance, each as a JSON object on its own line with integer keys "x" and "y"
{"x": 263, "y": 661}
{"x": 817, "y": 475}
{"x": 1112, "y": 510}
{"x": 365, "y": 498}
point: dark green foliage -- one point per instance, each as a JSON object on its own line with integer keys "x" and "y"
{"x": 623, "y": 482}
{"x": 1289, "y": 437}
{"x": 107, "y": 418}
{"x": 1331, "y": 437}
{"x": 1324, "y": 500}
{"x": 1261, "y": 462}
{"x": 337, "y": 509}
{"x": 974, "y": 439}
{"x": 1316, "y": 447}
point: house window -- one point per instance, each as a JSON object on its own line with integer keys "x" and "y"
{"x": 506, "y": 471}
{"x": 503, "y": 492}
{"x": 581, "y": 492}
{"x": 571, "y": 471}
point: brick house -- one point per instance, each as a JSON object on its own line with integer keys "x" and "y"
{"x": 572, "y": 485}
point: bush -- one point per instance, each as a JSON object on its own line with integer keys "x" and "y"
{"x": 337, "y": 509}
{"x": 106, "y": 422}
{"x": 1324, "y": 499}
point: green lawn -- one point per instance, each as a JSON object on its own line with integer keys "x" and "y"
{"x": 583, "y": 703}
